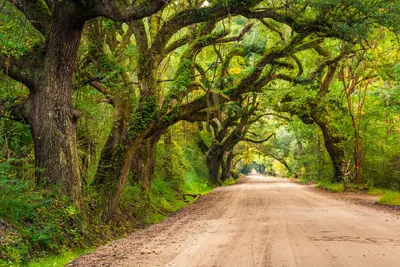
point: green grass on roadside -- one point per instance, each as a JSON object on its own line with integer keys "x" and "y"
{"x": 59, "y": 261}
{"x": 387, "y": 197}
{"x": 300, "y": 180}
{"x": 229, "y": 182}
{"x": 390, "y": 198}
{"x": 378, "y": 191}
{"x": 331, "y": 187}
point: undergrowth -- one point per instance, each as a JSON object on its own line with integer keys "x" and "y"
{"x": 39, "y": 226}
{"x": 35, "y": 222}
{"x": 331, "y": 187}
{"x": 390, "y": 198}
{"x": 38, "y": 223}
{"x": 387, "y": 196}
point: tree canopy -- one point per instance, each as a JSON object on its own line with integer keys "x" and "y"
{"x": 96, "y": 95}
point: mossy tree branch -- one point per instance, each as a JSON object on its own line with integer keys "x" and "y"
{"x": 37, "y": 12}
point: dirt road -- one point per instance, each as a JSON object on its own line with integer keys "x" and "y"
{"x": 261, "y": 222}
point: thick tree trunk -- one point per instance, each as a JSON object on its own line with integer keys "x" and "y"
{"x": 113, "y": 158}
{"x": 215, "y": 155}
{"x": 333, "y": 145}
{"x": 226, "y": 166}
{"x": 213, "y": 162}
{"x": 112, "y": 175}
{"x": 143, "y": 164}
{"x": 115, "y": 164}
{"x": 115, "y": 139}
{"x": 52, "y": 117}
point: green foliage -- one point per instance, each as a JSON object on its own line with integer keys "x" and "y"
{"x": 17, "y": 37}
{"x": 354, "y": 19}
{"x": 331, "y": 187}
{"x": 143, "y": 117}
{"x": 58, "y": 261}
{"x": 37, "y": 222}
{"x": 42, "y": 223}
{"x": 390, "y": 198}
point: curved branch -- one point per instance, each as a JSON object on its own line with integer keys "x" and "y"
{"x": 37, "y": 12}
{"x": 299, "y": 65}
{"x": 15, "y": 110}
{"x": 202, "y": 116}
{"x": 19, "y": 70}
{"x": 317, "y": 72}
{"x": 176, "y": 44}
{"x": 257, "y": 141}
{"x": 116, "y": 10}
{"x": 191, "y": 16}
{"x": 99, "y": 87}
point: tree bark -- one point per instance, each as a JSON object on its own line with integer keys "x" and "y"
{"x": 143, "y": 164}
{"x": 213, "y": 162}
{"x": 168, "y": 162}
{"x": 116, "y": 162}
{"x": 226, "y": 166}
{"x": 215, "y": 155}
{"x": 52, "y": 117}
{"x": 333, "y": 144}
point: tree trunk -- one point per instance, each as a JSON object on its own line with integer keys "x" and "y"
{"x": 52, "y": 117}
{"x": 213, "y": 162}
{"x": 115, "y": 165}
{"x": 143, "y": 164}
{"x": 358, "y": 158}
{"x": 333, "y": 145}
{"x": 215, "y": 155}
{"x": 115, "y": 139}
{"x": 168, "y": 162}
{"x": 226, "y": 166}
{"x": 114, "y": 168}
{"x": 115, "y": 160}
{"x": 113, "y": 173}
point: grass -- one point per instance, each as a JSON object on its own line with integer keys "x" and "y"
{"x": 35, "y": 222}
{"x": 301, "y": 180}
{"x": 59, "y": 261}
{"x": 164, "y": 201}
{"x": 387, "y": 196}
{"x": 229, "y": 181}
{"x": 390, "y": 198}
{"x": 331, "y": 187}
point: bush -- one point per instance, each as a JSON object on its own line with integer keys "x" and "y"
{"x": 35, "y": 222}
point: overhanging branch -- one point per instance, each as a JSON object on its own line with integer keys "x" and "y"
{"x": 117, "y": 10}
{"x": 19, "y": 70}
{"x": 37, "y": 12}
{"x": 258, "y": 141}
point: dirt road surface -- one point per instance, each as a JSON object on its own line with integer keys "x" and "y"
{"x": 261, "y": 222}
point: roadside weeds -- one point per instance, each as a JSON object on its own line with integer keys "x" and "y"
{"x": 374, "y": 198}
